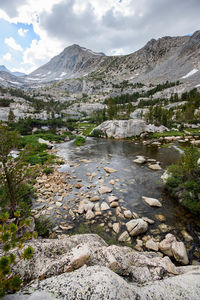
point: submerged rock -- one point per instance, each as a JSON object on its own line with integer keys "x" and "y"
{"x": 152, "y": 201}
{"x": 104, "y": 189}
{"x": 110, "y": 170}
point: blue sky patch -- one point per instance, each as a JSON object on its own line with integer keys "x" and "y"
{"x": 11, "y": 30}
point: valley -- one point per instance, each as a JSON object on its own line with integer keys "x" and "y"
{"x": 110, "y": 147}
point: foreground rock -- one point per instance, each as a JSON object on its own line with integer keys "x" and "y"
{"x": 85, "y": 267}
{"x": 127, "y": 128}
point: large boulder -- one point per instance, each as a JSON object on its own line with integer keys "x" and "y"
{"x": 127, "y": 128}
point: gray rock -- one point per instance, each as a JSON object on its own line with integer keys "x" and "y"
{"x": 127, "y": 128}
{"x": 136, "y": 227}
{"x": 151, "y": 245}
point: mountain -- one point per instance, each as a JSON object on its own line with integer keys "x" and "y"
{"x": 4, "y": 69}
{"x": 73, "y": 61}
{"x": 167, "y": 58}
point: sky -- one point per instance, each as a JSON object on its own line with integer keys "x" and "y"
{"x": 34, "y": 31}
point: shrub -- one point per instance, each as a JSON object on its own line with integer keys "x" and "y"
{"x": 184, "y": 182}
{"x": 79, "y": 141}
{"x": 10, "y": 237}
{"x": 43, "y": 226}
{"x": 97, "y": 133}
{"x": 48, "y": 170}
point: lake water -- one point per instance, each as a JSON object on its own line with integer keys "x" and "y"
{"x": 132, "y": 181}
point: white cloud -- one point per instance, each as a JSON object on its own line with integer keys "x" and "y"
{"x": 109, "y": 26}
{"x": 22, "y": 32}
{"x": 13, "y": 44}
{"x": 7, "y": 56}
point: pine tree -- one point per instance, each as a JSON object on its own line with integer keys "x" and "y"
{"x": 11, "y": 116}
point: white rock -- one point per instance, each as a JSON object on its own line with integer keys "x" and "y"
{"x": 128, "y": 214}
{"x": 140, "y": 159}
{"x": 89, "y": 215}
{"x": 104, "y": 189}
{"x": 104, "y": 206}
{"x": 180, "y": 253}
{"x": 136, "y": 226}
{"x": 165, "y": 176}
{"x": 152, "y": 201}
{"x": 112, "y": 198}
{"x": 151, "y": 245}
{"x": 124, "y": 237}
{"x": 49, "y": 145}
{"x": 116, "y": 227}
{"x": 155, "y": 167}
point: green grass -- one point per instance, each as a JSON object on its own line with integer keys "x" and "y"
{"x": 36, "y": 153}
{"x": 84, "y": 228}
{"x": 166, "y": 134}
{"x": 85, "y": 128}
{"x": 79, "y": 141}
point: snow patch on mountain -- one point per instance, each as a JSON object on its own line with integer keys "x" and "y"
{"x": 190, "y": 73}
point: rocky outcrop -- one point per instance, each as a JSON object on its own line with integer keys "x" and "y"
{"x": 85, "y": 267}
{"x": 127, "y": 128}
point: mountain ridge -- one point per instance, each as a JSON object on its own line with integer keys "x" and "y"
{"x": 165, "y": 58}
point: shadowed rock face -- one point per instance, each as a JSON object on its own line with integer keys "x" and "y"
{"x": 85, "y": 267}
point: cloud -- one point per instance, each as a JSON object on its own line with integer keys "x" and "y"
{"x": 7, "y": 57}
{"x": 128, "y": 25}
{"x": 13, "y": 44}
{"x": 22, "y": 32}
{"x": 101, "y": 25}
{"x": 11, "y": 6}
